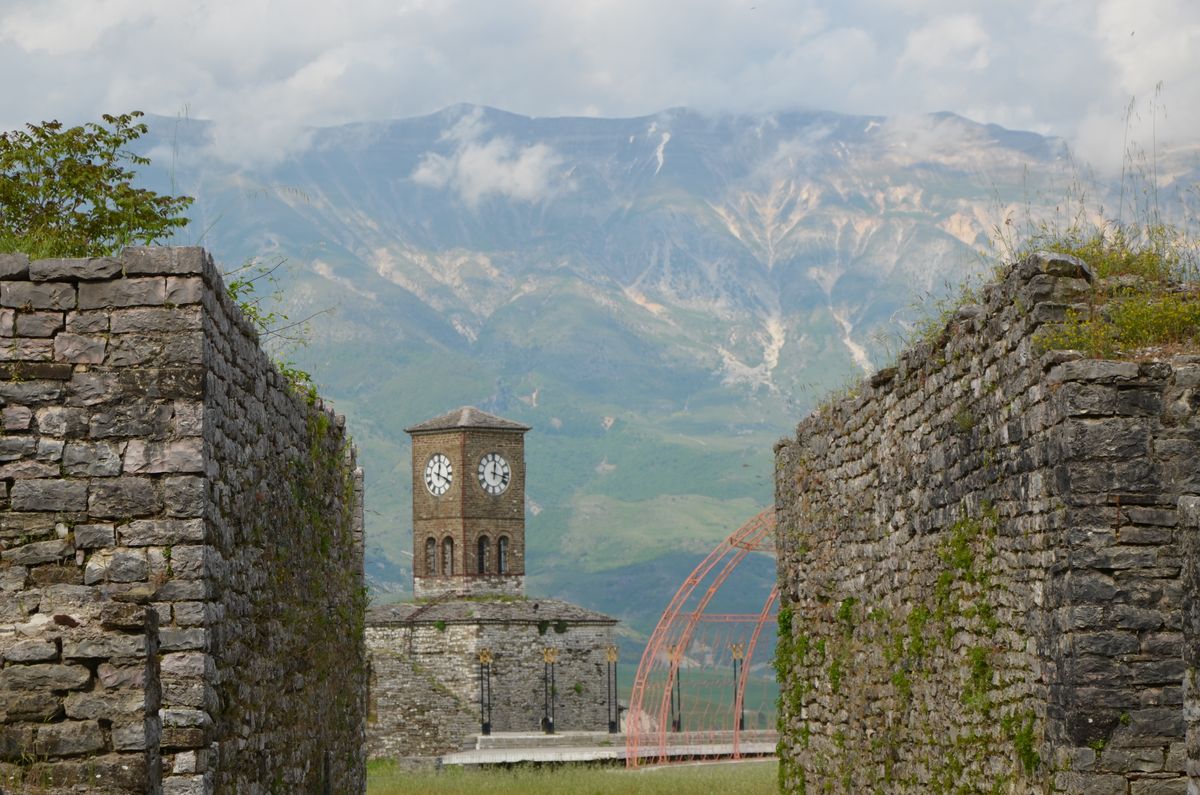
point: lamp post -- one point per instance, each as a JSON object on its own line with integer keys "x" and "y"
{"x": 676, "y": 654}
{"x": 485, "y": 691}
{"x": 614, "y": 707}
{"x": 738, "y": 651}
{"x": 549, "y": 659}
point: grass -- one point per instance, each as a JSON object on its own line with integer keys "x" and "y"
{"x": 742, "y": 778}
{"x": 1145, "y": 295}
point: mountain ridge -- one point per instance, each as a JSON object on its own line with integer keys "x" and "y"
{"x": 660, "y": 297}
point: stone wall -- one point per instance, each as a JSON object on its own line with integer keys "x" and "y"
{"x": 182, "y": 542}
{"x": 979, "y": 554}
{"x": 425, "y": 671}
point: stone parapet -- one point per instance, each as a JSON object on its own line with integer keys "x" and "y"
{"x": 979, "y": 554}
{"x": 180, "y": 541}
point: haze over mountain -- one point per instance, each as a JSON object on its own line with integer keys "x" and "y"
{"x": 661, "y": 298}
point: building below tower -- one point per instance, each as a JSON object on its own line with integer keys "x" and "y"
{"x": 472, "y": 654}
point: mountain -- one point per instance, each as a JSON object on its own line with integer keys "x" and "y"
{"x": 660, "y": 298}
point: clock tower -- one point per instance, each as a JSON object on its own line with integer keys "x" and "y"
{"x": 468, "y": 505}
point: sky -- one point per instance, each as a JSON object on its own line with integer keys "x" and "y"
{"x": 1091, "y": 71}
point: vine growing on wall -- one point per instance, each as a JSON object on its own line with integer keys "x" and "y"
{"x": 949, "y": 636}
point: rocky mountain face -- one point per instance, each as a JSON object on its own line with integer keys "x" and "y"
{"x": 660, "y": 298}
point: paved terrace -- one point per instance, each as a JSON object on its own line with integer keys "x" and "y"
{"x": 512, "y": 747}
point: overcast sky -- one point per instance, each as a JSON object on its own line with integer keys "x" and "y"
{"x": 264, "y": 69}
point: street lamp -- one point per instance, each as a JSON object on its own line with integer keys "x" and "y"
{"x": 549, "y": 659}
{"x": 676, "y": 654}
{"x": 614, "y": 707}
{"x": 485, "y": 691}
{"x": 738, "y": 651}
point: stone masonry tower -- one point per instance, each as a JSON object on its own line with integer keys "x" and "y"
{"x": 468, "y": 505}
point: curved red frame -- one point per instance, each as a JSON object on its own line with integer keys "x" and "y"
{"x": 675, "y": 630}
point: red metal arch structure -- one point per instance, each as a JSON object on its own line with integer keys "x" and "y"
{"x": 689, "y": 696}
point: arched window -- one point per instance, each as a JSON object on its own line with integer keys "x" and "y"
{"x": 447, "y": 556}
{"x": 483, "y": 553}
{"x": 430, "y": 558}
{"x": 502, "y": 555}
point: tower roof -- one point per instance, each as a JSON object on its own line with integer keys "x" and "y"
{"x": 466, "y": 417}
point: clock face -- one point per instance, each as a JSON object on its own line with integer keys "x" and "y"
{"x": 494, "y": 473}
{"x": 438, "y": 474}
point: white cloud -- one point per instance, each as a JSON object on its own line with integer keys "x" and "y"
{"x": 478, "y": 168}
{"x": 266, "y": 70}
{"x": 955, "y": 42}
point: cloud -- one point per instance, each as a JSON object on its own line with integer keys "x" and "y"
{"x": 956, "y": 41}
{"x": 266, "y": 71}
{"x": 478, "y": 168}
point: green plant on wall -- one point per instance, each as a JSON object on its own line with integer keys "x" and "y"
{"x": 1143, "y": 294}
{"x": 68, "y": 191}
{"x": 923, "y": 644}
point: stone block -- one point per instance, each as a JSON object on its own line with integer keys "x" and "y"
{"x": 108, "y": 646}
{"x": 179, "y": 457}
{"x": 91, "y": 536}
{"x": 49, "y": 449}
{"x": 156, "y": 320}
{"x": 147, "y": 291}
{"x": 174, "y": 590}
{"x": 131, "y": 736}
{"x": 38, "y": 324}
{"x": 80, "y": 348}
{"x": 187, "y": 664}
{"x": 89, "y": 321}
{"x": 49, "y": 494}
{"x": 116, "y": 566}
{"x": 111, "y": 706}
{"x": 39, "y": 552}
{"x": 26, "y": 469}
{"x": 136, "y": 419}
{"x": 193, "y": 561}
{"x": 44, "y": 677}
{"x": 194, "y": 639}
{"x": 32, "y": 651}
{"x": 14, "y": 266}
{"x": 189, "y": 418}
{"x": 70, "y": 738}
{"x": 45, "y": 575}
{"x": 173, "y": 260}
{"x": 121, "y": 676}
{"x": 190, "y": 614}
{"x": 1174, "y": 785}
{"x": 16, "y": 418}
{"x": 124, "y": 615}
{"x": 25, "y": 350}
{"x": 162, "y": 532}
{"x": 1098, "y": 370}
{"x": 94, "y": 388}
{"x": 182, "y": 737}
{"x": 184, "y": 785}
{"x": 37, "y": 295}
{"x": 108, "y": 773}
{"x": 183, "y": 496}
{"x": 13, "y": 578}
{"x": 124, "y": 497}
{"x": 19, "y": 705}
{"x": 62, "y": 421}
{"x": 184, "y": 290}
{"x": 77, "y": 269}
{"x": 14, "y": 447}
{"x": 7, "y": 322}
{"x": 101, "y": 459}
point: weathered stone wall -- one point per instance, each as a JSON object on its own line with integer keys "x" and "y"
{"x": 171, "y": 624}
{"x": 425, "y": 671}
{"x": 980, "y": 561}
